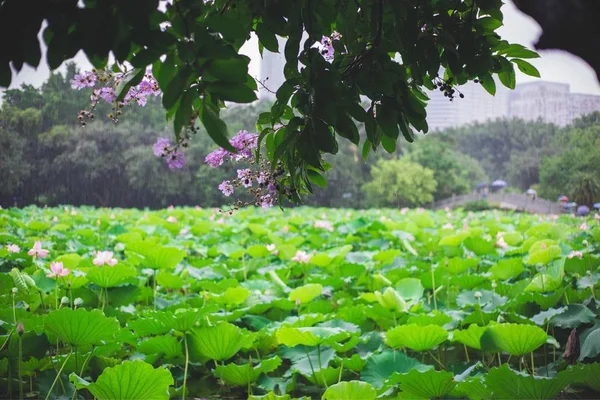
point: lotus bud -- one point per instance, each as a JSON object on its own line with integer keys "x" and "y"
{"x": 382, "y": 280}
{"x": 391, "y": 300}
{"x": 78, "y": 301}
{"x": 119, "y": 247}
{"x": 20, "y": 328}
{"x": 494, "y": 285}
{"x": 15, "y": 290}
{"x": 478, "y": 295}
{"x": 64, "y": 300}
{"x": 185, "y": 274}
{"x": 500, "y": 319}
{"x": 585, "y": 243}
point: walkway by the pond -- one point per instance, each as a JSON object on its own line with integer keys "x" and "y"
{"x": 509, "y": 201}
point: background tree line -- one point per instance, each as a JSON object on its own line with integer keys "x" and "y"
{"x": 46, "y": 157}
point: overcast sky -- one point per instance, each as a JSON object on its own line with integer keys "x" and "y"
{"x": 555, "y": 66}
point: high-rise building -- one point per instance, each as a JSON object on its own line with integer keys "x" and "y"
{"x": 271, "y": 72}
{"x": 546, "y": 101}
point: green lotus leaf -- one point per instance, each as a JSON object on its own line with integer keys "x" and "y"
{"x": 148, "y": 326}
{"x": 81, "y": 327}
{"x": 542, "y": 318}
{"x": 307, "y": 293}
{"x": 219, "y": 342}
{"x": 575, "y": 315}
{"x": 507, "y": 268}
{"x": 433, "y": 318}
{"x": 542, "y": 252}
{"x": 581, "y": 266}
{"x": 590, "y": 347}
{"x": 350, "y": 390}
{"x": 479, "y": 246}
{"x": 242, "y": 375}
{"x": 508, "y": 384}
{"x": 181, "y": 320}
{"x": 415, "y": 337}
{"x": 513, "y": 339}
{"x": 325, "y": 377}
{"x": 454, "y": 240}
{"x": 355, "y": 363}
{"x": 155, "y": 256}
{"x": 310, "y": 336}
{"x": 380, "y": 367}
{"x": 169, "y": 281}
{"x": 129, "y": 380}
{"x": 512, "y": 238}
{"x": 410, "y": 288}
{"x": 69, "y": 260}
{"x": 258, "y": 251}
{"x": 474, "y": 389}
{"x": 470, "y": 337}
{"x": 306, "y": 360}
{"x": 428, "y": 384}
{"x": 273, "y": 396}
{"x": 232, "y": 296}
{"x": 456, "y": 266}
{"x": 168, "y": 345}
{"x": 487, "y": 299}
{"x": 543, "y": 283}
{"x": 108, "y": 277}
{"x": 585, "y": 373}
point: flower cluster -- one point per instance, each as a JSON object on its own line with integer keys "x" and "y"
{"x": 326, "y": 46}
{"x": 172, "y": 155}
{"x": 108, "y": 81}
{"x": 261, "y": 184}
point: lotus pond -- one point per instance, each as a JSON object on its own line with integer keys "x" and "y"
{"x": 300, "y": 303}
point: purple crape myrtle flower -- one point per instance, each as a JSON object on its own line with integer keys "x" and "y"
{"x": 262, "y": 178}
{"x": 216, "y": 158}
{"x": 266, "y": 201}
{"x": 176, "y": 160}
{"x": 327, "y": 48}
{"x": 244, "y": 175}
{"x": 271, "y": 187}
{"x": 107, "y": 94}
{"x": 226, "y": 187}
{"x": 244, "y": 142}
{"x": 161, "y": 147}
{"x": 145, "y": 87}
{"x": 81, "y": 81}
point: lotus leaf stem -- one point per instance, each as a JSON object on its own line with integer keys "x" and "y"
{"x": 58, "y": 374}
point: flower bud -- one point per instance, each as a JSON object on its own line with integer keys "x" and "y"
{"x": 64, "y": 300}
{"x": 391, "y": 300}
{"x": 78, "y": 301}
{"x": 478, "y": 295}
{"x": 20, "y": 328}
{"x": 15, "y": 290}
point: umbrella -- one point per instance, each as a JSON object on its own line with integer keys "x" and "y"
{"x": 582, "y": 211}
{"x": 482, "y": 185}
{"x": 597, "y": 205}
{"x": 563, "y": 199}
{"x": 531, "y": 191}
{"x": 499, "y": 183}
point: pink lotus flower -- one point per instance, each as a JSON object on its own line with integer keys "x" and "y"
{"x": 37, "y": 251}
{"x": 448, "y": 226}
{"x": 285, "y": 229}
{"x": 501, "y": 243}
{"x": 321, "y": 224}
{"x": 596, "y": 216}
{"x": 465, "y": 226}
{"x": 58, "y": 270}
{"x": 301, "y": 257}
{"x": 183, "y": 232}
{"x": 584, "y": 226}
{"x": 403, "y": 211}
{"x": 105, "y": 257}
{"x": 55, "y": 219}
{"x": 577, "y": 254}
{"x": 13, "y": 248}
{"x": 171, "y": 219}
{"x": 273, "y": 249}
